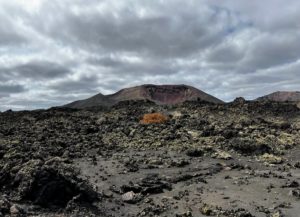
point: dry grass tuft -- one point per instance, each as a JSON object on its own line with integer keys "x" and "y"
{"x": 154, "y": 118}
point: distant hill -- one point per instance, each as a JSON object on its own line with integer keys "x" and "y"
{"x": 282, "y": 96}
{"x": 160, "y": 94}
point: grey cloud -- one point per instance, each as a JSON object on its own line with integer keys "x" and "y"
{"x": 272, "y": 50}
{"x": 6, "y": 89}
{"x": 146, "y": 66}
{"x": 269, "y": 15}
{"x": 9, "y": 34}
{"x": 10, "y": 38}
{"x": 4, "y": 74}
{"x": 68, "y": 49}
{"x": 40, "y": 70}
{"x": 105, "y": 62}
{"x": 167, "y": 32}
{"x": 83, "y": 84}
{"x": 225, "y": 54}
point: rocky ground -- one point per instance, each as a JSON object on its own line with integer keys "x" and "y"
{"x": 237, "y": 159}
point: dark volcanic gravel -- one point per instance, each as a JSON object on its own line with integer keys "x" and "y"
{"x": 238, "y": 159}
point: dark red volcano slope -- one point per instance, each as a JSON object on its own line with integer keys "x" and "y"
{"x": 160, "y": 94}
{"x": 282, "y": 96}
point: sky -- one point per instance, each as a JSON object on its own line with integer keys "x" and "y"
{"x": 54, "y": 52}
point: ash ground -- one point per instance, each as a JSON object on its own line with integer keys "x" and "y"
{"x": 236, "y": 159}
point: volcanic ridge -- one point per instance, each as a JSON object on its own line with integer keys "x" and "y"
{"x": 159, "y": 94}
{"x": 282, "y": 96}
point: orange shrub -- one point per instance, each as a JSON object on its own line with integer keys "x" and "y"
{"x": 154, "y": 118}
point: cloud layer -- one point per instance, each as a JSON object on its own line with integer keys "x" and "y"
{"x": 54, "y": 52}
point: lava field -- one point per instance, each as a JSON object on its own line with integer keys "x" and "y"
{"x": 238, "y": 159}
